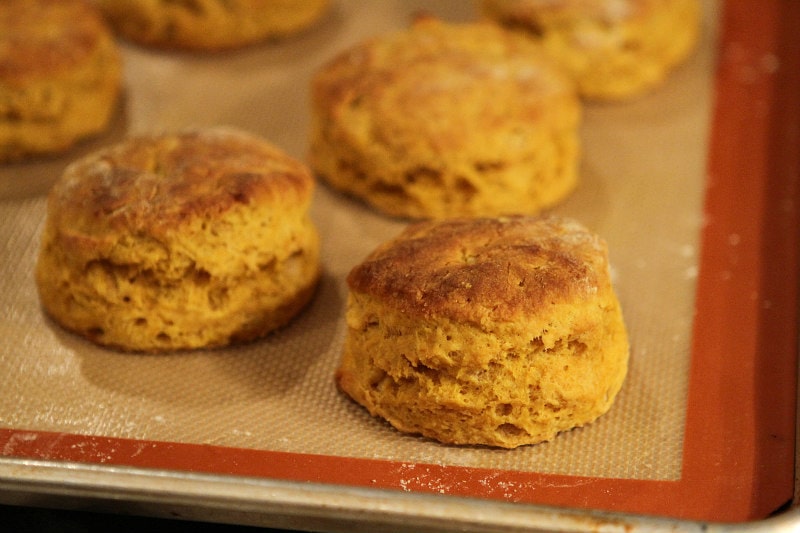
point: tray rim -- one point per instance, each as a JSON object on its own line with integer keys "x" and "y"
{"x": 318, "y": 506}
{"x": 732, "y": 12}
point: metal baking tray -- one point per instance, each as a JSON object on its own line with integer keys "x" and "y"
{"x": 695, "y": 188}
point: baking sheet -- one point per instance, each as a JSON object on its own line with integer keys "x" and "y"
{"x": 270, "y": 410}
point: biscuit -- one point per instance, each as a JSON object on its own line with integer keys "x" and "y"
{"x": 177, "y": 241}
{"x": 209, "y": 25}
{"x": 60, "y": 76}
{"x": 489, "y": 331}
{"x": 442, "y": 120}
{"x": 615, "y": 49}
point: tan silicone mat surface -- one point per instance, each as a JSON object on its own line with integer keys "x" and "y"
{"x": 643, "y": 181}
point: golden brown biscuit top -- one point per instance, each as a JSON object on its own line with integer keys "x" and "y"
{"x": 434, "y": 82}
{"x": 607, "y": 11}
{"x": 41, "y": 38}
{"x": 154, "y": 184}
{"x": 474, "y": 270}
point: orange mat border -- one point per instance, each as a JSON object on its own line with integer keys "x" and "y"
{"x": 739, "y": 448}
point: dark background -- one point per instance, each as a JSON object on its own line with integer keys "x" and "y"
{"x": 24, "y": 519}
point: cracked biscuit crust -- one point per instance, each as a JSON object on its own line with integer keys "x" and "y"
{"x": 196, "y": 239}
{"x": 60, "y": 76}
{"x": 501, "y": 332}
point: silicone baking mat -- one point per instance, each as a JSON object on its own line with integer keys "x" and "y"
{"x": 694, "y": 187}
